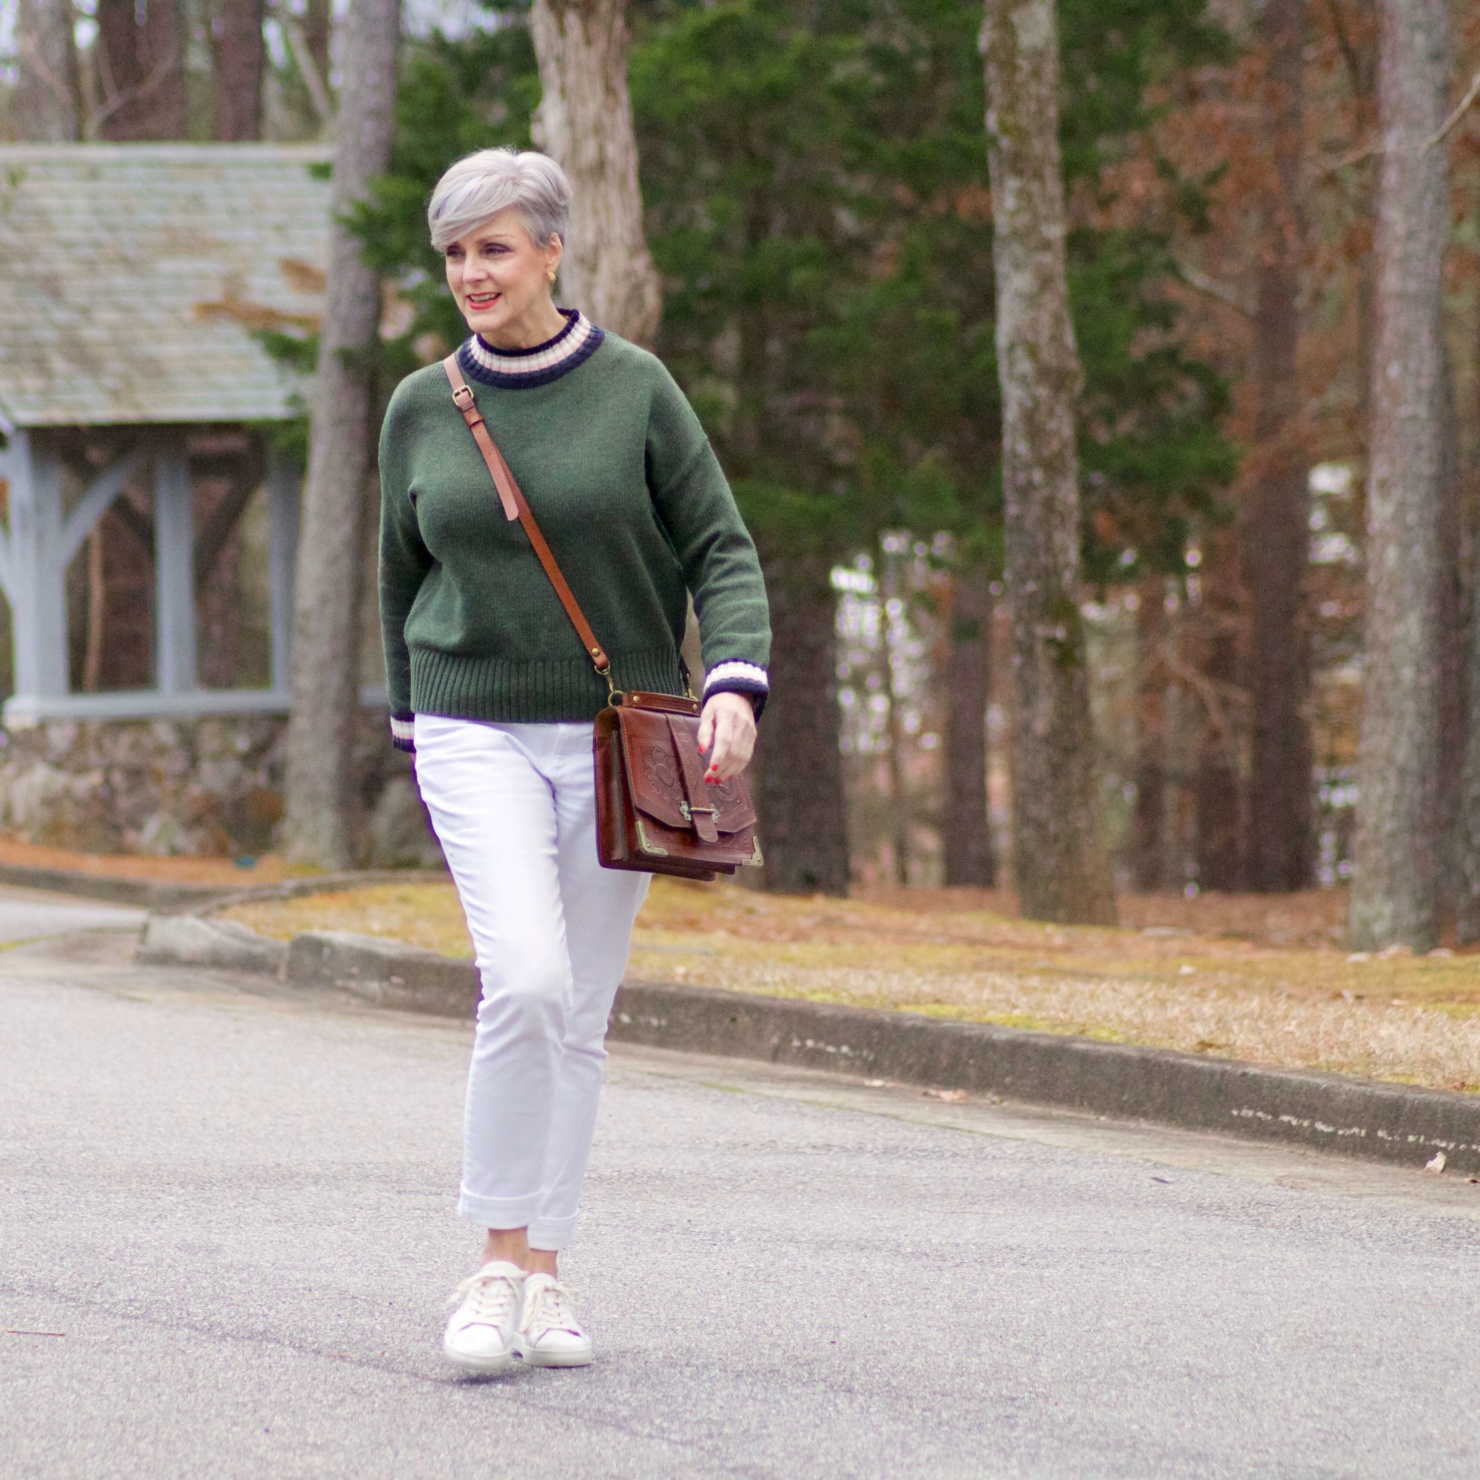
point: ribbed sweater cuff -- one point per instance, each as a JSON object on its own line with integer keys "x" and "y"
{"x": 735, "y": 676}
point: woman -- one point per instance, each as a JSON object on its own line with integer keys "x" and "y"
{"x": 492, "y": 689}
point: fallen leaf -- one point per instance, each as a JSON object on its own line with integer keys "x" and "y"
{"x": 944, "y": 1094}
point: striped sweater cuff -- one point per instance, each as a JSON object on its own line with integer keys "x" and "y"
{"x": 735, "y": 676}
{"x": 403, "y": 733}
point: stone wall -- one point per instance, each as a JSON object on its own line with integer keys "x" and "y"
{"x": 205, "y": 787}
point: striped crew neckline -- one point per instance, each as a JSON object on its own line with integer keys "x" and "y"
{"x": 518, "y": 368}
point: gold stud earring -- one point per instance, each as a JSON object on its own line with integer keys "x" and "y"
{"x": 550, "y": 276}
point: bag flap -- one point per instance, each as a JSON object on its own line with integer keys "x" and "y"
{"x": 655, "y": 774}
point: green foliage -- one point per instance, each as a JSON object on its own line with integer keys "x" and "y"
{"x": 1113, "y": 53}
{"x": 816, "y": 182}
{"x": 744, "y": 114}
{"x": 477, "y": 92}
{"x": 817, "y": 186}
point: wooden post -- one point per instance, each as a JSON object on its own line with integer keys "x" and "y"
{"x": 283, "y": 486}
{"x": 174, "y": 575}
{"x": 35, "y": 569}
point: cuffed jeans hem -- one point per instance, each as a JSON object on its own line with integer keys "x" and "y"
{"x": 552, "y": 1234}
{"x": 498, "y": 1212}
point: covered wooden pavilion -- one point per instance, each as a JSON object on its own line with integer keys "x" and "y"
{"x": 137, "y": 283}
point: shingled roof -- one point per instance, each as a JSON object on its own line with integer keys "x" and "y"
{"x": 132, "y": 276}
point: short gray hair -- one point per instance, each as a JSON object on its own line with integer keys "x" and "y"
{"x": 481, "y": 185}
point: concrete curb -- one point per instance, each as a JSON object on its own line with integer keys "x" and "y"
{"x": 187, "y": 940}
{"x": 1355, "y": 1117}
{"x": 384, "y": 972}
{"x": 1327, "y": 1112}
{"x": 149, "y": 894}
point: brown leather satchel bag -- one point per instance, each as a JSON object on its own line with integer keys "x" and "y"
{"x": 654, "y": 810}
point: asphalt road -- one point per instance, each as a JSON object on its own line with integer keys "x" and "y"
{"x": 27, "y": 914}
{"x": 234, "y": 1209}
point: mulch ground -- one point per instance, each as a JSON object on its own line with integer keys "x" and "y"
{"x": 269, "y": 870}
{"x": 1245, "y": 977}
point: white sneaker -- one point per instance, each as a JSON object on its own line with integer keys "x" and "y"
{"x": 483, "y": 1330}
{"x": 549, "y": 1334}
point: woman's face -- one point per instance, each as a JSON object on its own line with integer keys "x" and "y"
{"x": 501, "y": 281}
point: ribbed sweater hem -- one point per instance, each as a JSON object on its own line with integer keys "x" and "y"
{"x": 536, "y": 692}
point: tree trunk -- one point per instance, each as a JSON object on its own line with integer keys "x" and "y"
{"x": 47, "y": 96}
{"x": 585, "y": 121}
{"x": 965, "y": 826}
{"x": 1060, "y": 865}
{"x": 317, "y": 30}
{"x": 1275, "y": 522}
{"x": 162, "y": 63}
{"x": 899, "y": 801}
{"x": 240, "y": 59}
{"x": 319, "y": 824}
{"x": 1394, "y": 893}
{"x": 1218, "y": 843}
{"x": 799, "y": 780}
{"x": 116, "y": 56}
{"x": 1467, "y": 822}
{"x": 1463, "y": 791}
{"x": 141, "y": 70}
{"x": 1148, "y": 822}
{"x": 1450, "y": 628}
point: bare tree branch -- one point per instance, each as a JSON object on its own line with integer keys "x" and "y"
{"x": 1369, "y": 151}
{"x": 1461, "y": 108}
{"x": 318, "y": 89}
{"x": 1198, "y": 280}
{"x": 117, "y": 100}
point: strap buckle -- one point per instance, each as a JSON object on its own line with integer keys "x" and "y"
{"x": 463, "y": 395}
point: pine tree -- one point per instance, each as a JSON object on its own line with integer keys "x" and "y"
{"x": 1276, "y": 514}
{"x": 1394, "y": 895}
{"x": 1060, "y": 866}
{"x": 240, "y": 57}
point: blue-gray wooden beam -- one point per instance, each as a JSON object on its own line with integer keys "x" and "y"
{"x": 283, "y": 484}
{"x": 96, "y": 502}
{"x": 174, "y": 574}
{"x": 34, "y": 570}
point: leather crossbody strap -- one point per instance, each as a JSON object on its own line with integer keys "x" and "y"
{"x": 516, "y": 506}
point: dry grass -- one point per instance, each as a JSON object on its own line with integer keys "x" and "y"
{"x": 1238, "y": 977}
{"x": 267, "y": 870}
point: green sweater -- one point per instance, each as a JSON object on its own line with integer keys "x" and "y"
{"x": 628, "y": 492}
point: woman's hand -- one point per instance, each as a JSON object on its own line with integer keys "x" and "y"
{"x": 726, "y": 735}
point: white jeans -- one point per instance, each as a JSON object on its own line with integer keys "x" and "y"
{"x": 514, "y": 807}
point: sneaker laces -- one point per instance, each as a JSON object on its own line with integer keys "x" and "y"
{"x": 491, "y": 1297}
{"x": 551, "y": 1309}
